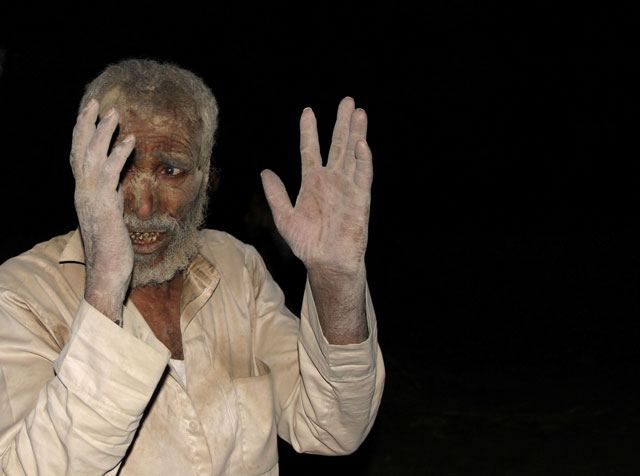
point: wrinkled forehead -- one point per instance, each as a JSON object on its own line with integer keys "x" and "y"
{"x": 157, "y": 112}
{"x": 166, "y": 101}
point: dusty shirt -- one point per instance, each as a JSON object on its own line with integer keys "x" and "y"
{"x": 80, "y": 395}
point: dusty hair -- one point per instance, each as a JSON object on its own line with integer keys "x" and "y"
{"x": 163, "y": 88}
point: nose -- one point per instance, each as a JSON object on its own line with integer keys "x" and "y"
{"x": 139, "y": 197}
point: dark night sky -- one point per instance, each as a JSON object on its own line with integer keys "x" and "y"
{"x": 504, "y": 218}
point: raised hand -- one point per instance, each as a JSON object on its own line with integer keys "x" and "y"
{"x": 99, "y": 202}
{"x": 328, "y": 226}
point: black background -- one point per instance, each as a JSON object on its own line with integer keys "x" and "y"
{"x": 502, "y": 259}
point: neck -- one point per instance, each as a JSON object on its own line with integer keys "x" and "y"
{"x": 159, "y": 304}
{"x": 167, "y": 291}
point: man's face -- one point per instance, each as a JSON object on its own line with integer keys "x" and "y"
{"x": 164, "y": 192}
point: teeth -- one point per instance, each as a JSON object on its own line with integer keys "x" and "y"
{"x": 144, "y": 237}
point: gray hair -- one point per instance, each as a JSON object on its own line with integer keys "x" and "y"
{"x": 163, "y": 87}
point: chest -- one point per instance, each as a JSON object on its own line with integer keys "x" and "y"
{"x": 163, "y": 317}
{"x": 224, "y": 421}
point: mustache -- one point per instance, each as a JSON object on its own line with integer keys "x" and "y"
{"x": 153, "y": 223}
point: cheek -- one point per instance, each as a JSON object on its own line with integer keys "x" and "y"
{"x": 169, "y": 197}
{"x": 178, "y": 200}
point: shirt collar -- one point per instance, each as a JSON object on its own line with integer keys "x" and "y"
{"x": 74, "y": 251}
{"x": 201, "y": 280}
{"x": 201, "y": 276}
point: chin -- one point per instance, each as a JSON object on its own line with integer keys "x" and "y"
{"x": 160, "y": 267}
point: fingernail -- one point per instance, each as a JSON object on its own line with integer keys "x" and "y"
{"x": 111, "y": 112}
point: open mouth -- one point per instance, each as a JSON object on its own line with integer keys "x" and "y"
{"x": 145, "y": 237}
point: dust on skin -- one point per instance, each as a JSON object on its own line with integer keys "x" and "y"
{"x": 162, "y": 181}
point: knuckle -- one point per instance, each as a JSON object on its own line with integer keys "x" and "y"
{"x": 119, "y": 151}
{"x": 337, "y": 149}
{"x": 90, "y": 157}
{"x": 107, "y": 171}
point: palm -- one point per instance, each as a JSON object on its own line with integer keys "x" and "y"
{"x": 327, "y": 227}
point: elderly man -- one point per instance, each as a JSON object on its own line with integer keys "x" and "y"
{"x": 139, "y": 344}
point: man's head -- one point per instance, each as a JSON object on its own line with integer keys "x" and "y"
{"x": 173, "y": 116}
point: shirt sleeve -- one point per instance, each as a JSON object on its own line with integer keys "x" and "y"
{"x": 327, "y": 395}
{"x": 75, "y": 412}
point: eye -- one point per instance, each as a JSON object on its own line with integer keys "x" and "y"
{"x": 171, "y": 171}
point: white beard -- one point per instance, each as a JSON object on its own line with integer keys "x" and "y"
{"x": 183, "y": 243}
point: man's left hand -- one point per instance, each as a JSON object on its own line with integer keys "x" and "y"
{"x": 327, "y": 228}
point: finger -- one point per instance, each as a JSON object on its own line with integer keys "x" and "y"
{"x": 363, "y": 174}
{"x": 99, "y": 143}
{"x": 357, "y": 133}
{"x": 82, "y": 132}
{"x": 118, "y": 157}
{"x": 277, "y": 196}
{"x": 340, "y": 133}
{"x": 309, "y": 144}
{"x": 120, "y": 198}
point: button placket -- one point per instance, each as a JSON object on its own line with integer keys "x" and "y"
{"x": 197, "y": 446}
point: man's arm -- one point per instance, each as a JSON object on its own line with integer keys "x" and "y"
{"x": 75, "y": 410}
{"x": 326, "y": 396}
{"x": 327, "y": 229}
{"x": 328, "y": 393}
{"x": 99, "y": 202}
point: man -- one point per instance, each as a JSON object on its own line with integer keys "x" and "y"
{"x": 140, "y": 345}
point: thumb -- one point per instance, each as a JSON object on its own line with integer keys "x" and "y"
{"x": 276, "y": 194}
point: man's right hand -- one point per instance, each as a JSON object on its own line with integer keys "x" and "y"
{"x": 99, "y": 202}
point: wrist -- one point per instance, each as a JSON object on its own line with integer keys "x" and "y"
{"x": 340, "y": 300}
{"x": 338, "y": 280}
{"x": 106, "y": 295}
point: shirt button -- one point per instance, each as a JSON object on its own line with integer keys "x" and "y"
{"x": 193, "y": 426}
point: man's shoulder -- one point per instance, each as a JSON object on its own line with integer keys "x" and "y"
{"x": 227, "y": 253}
{"x": 44, "y": 258}
{"x": 218, "y": 246}
{"x": 216, "y": 238}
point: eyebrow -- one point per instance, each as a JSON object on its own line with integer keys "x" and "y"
{"x": 174, "y": 160}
